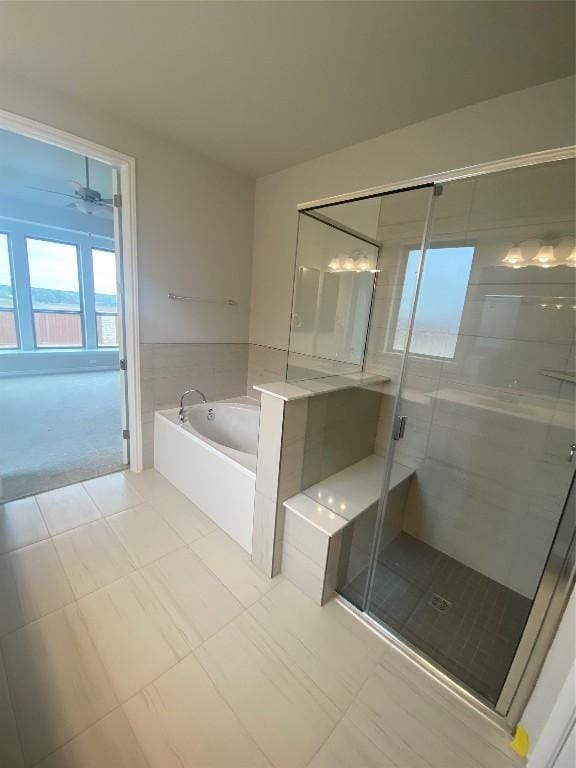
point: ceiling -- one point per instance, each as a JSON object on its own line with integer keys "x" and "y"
{"x": 261, "y": 86}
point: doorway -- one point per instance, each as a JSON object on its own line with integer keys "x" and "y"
{"x": 68, "y": 351}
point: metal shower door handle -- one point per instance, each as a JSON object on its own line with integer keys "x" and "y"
{"x": 399, "y": 428}
{"x": 571, "y": 452}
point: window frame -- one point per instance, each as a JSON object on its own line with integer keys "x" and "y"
{"x": 80, "y": 311}
{"x": 98, "y": 312}
{"x": 17, "y": 233}
{"x": 14, "y": 309}
{"x": 394, "y": 321}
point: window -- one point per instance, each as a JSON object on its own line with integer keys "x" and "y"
{"x": 440, "y": 304}
{"x": 8, "y": 337}
{"x": 105, "y": 297}
{"x": 55, "y": 293}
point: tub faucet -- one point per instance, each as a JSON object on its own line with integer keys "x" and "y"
{"x": 181, "y": 409}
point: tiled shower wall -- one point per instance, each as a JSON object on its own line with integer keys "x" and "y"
{"x": 167, "y": 370}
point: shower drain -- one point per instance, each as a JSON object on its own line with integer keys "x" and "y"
{"x": 439, "y": 603}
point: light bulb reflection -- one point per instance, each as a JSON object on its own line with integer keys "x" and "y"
{"x": 545, "y": 257}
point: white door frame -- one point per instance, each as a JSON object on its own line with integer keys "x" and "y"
{"x": 126, "y": 166}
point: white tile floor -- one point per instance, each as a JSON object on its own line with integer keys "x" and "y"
{"x": 136, "y": 634}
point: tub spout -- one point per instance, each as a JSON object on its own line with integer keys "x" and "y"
{"x": 181, "y": 416}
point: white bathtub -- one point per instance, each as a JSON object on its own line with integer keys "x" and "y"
{"x": 211, "y": 459}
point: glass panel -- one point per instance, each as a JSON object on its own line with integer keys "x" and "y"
{"x": 55, "y": 329}
{"x": 342, "y": 464}
{"x": 6, "y": 289}
{"x": 354, "y": 493}
{"x": 8, "y": 337}
{"x": 332, "y": 295}
{"x": 481, "y": 474}
{"x": 104, "y": 268}
{"x": 53, "y": 275}
{"x": 107, "y": 330}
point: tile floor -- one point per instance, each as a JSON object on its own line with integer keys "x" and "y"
{"x": 474, "y": 638}
{"x": 136, "y": 634}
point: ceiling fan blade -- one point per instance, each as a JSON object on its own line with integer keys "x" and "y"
{"x": 51, "y": 191}
{"x": 76, "y": 186}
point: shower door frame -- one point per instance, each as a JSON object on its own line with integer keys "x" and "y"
{"x": 559, "y": 574}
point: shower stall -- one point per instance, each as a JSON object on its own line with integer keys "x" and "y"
{"x": 450, "y": 307}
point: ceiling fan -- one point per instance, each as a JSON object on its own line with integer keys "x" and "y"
{"x": 84, "y": 198}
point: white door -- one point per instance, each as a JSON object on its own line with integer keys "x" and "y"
{"x": 121, "y": 317}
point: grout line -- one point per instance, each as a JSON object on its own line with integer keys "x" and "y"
{"x": 235, "y": 715}
{"x": 34, "y": 494}
{"x": 84, "y": 730}
{"x": 122, "y": 703}
{"x": 135, "y": 569}
{"x": 245, "y": 609}
{"x": 4, "y": 667}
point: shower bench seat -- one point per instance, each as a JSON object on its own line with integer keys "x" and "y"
{"x": 328, "y": 527}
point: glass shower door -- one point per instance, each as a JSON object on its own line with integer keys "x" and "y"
{"x": 351, "y": 426}
{"x": 480, "y": 461}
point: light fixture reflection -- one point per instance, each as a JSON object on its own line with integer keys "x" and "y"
{"x": 545, "y": 257}
{"x": 357, "y": 261}
{"x": 571, "y": 260}
{"x": 514, "y": 258}
{"x": 349, "y": 264}
{"x": 334, "y": 264}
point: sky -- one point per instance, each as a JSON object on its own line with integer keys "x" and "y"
{"x": 440, "y": 303}
{"x": 4, "y": 264}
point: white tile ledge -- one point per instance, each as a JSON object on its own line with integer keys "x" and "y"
{"x": 310, "y": 387}
{"x": 356, "y": 487}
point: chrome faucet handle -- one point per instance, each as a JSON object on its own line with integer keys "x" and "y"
{"x": 181, "y": 418}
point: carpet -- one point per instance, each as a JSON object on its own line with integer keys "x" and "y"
{"x": 58, "y": 429}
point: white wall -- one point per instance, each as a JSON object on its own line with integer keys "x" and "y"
{"x": 194, "y": 219}
{"x": 554, "y": 697}
{"x": 527, "y": 121}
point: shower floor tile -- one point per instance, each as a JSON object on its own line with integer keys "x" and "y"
{"x": 464, "y": 621}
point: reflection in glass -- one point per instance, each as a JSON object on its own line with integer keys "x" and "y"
{"x": 107, "y": 330}
{"x": 105, "y": 297}
{"x": 104, "y": 267}
{"x": 8, "y": 337}
{"x": 6, "y": 289}
{"x": 332, "y": 296}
